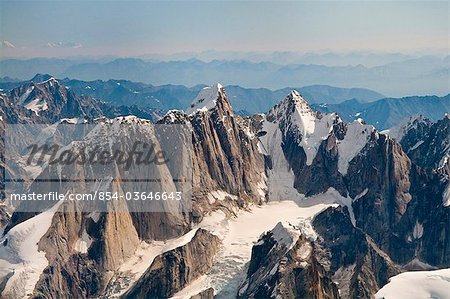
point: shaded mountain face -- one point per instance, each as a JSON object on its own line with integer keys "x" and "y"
{"x": 389, "y": 112}
{"x": 167, "y": 97}
{"x": 393, "y": 212}
{"x": 284, "y": 264}
{"x": 425, "y": 142}
{"x": 45, "y": 99}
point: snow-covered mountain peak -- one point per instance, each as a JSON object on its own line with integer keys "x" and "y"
{"x": 296, "y": 118}
{"x": 206, "y": 99}
{"x": 400, "y": 130}
{"x": 39, "y": 78}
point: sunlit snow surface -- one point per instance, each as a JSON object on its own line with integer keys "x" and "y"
{"x": 240, "y": 233}
{"x": 22, "y": 256}
{"x": 206, "y": 99}
{"x": 417, "y": 285}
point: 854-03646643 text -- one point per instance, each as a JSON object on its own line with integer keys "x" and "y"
{"x": 98, "y": 195}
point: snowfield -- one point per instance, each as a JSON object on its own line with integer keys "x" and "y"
{"x": 417, "y": 285}
{"x": 240, "y": 233}
{"x": 21, "y": 257}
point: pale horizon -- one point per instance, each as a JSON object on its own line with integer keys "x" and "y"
{"x": 153, "y": 28}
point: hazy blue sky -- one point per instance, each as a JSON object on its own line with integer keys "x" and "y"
{"x": 131, "y": 28}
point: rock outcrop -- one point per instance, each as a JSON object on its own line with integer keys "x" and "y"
{"x": 173, "y": 270}
{"x": 357, "y": 264}
{"x": 284, "y": 265}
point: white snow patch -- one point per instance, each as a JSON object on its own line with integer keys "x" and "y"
{"x": 446, "y": 196}
{"x": 84, "y": 243}
{"x": 206, "y": 99}
{"x": 361, "y": 194}
{"x": 37, "y": 105}
{"x": 219, "y": 195}
{"x": 418, "y": 230}
{"x": 21, "y": 255}
{"x": 25, "y": 95}
{"x": 355, "y": 139}
{"x": 74, "y": 120}
{"x": 419, "y": 143}
{"x": 313, "y": 129}
{"x": 285, "y": 234}
{"x": 417, "y": 285}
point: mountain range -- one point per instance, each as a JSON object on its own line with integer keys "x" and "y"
{"x": 292, "y": 203}
{"x": 351, "y": 103}
{"x": 406, "y": 76}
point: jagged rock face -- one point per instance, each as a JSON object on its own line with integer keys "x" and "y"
{"x": 398, "y": 200}
{"x": 84, "y": 274}
{"x": 371, "y": 168}
{"x": 173, "y": 270}
{"x": 309, "y": 143}
{"x": 206, "y": 294}
{"x": 423, "y": 232}
{"x": 428, "y": 144}
{"x": 283, "y": 265}
{"x": 49, "y": 101}
{"x": 425, "y": 224}
{"x": 358, "y": 265}
{"x": 111, "y": 237}
{"x": 225, "y": 151}
{"x": 384, "y": 171}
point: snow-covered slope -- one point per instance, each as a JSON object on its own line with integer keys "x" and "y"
{"x": 294, "y": 115}
{"x": 356, "y": 137}
{"x": 399, "y": 131}
{"x": 417, "y": 285}
{"x": 20, "y": 254}
{"x": 240, "y": 233}
{"x": 206, "y": 99}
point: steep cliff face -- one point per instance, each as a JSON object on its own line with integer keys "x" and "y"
{"x": 382, "y": 176}
{"x": 284, "y": 264}
{"x": 312, "y": 152}
{"x": 357, "y": 264}
{"x": 426, "y": 143}
{"x": 91, "y": 246}
{"x": 173, "y": 270}
{"x": 225, "y": 151}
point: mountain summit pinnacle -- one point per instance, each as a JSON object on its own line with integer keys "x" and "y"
{"x": 206, "y": 99}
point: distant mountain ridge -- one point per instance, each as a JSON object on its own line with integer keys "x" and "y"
{"x": 349, "y": 103}
{"x": 423, "y": 75}
{"x": 388, "y": 112}
{"x": 166, "y": 97}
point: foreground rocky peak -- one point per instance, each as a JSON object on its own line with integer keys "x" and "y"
{"x": 284, "y": 265}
